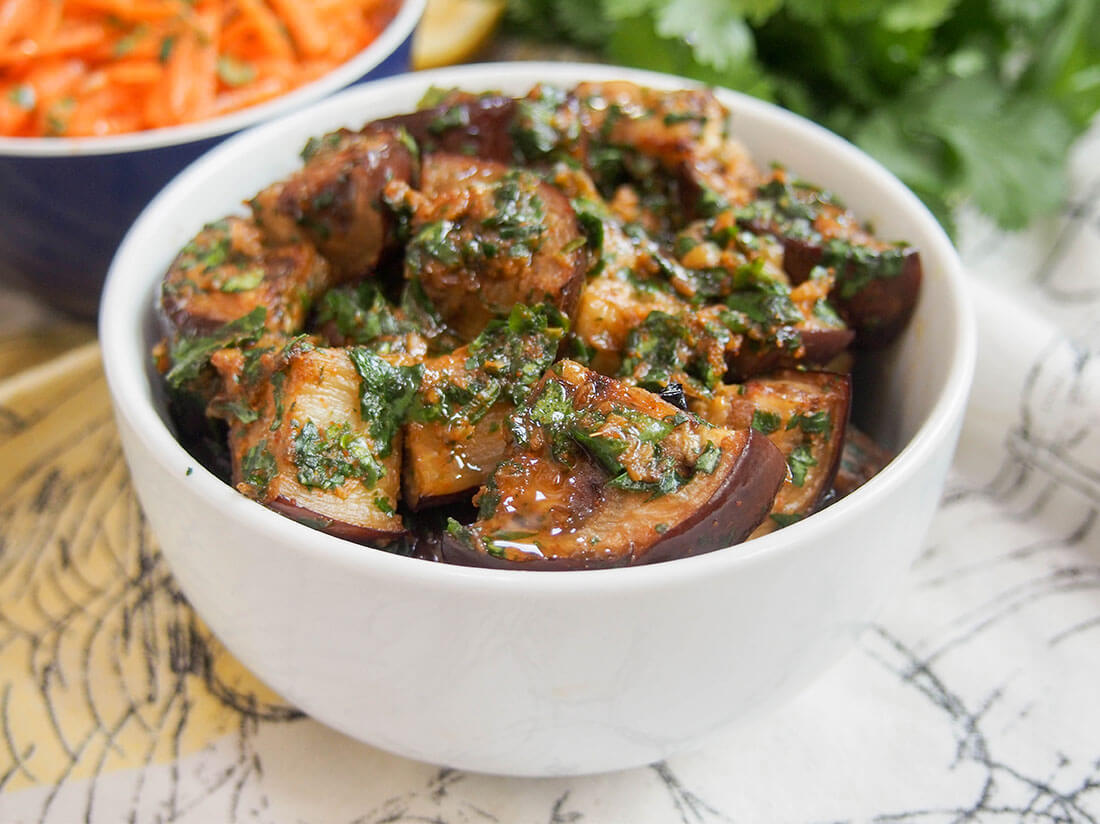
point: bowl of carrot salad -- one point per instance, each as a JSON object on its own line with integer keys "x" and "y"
{"x": 102, "y": 102}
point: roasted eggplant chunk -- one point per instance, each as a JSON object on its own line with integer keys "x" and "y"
{"x": 661, "y": 158}
{"x": 312, "y": 435}
{"x": 624, "y": 283}
{"x": 804, "y": 414}
{"x": 334, "y": 201}
{"x": 460, "y": 124}
{"x": 861, "y": 459}
{"x": 776, "y": 325}
{"x": 685, "y": 132}
{"x": 782, "y": 327}
{"x": 189, "y": 377}
{"x": 756, "y": 331}
{"x": 457, "y": 429}
{"x": 447, "y": 462}
{"x": 613, "y": 303}
{"x": 484, "y": 237}
{"x": 228, "y": 270}
{"x": 652, "y": 319}
{"x": 876, "y": 283}
{"x": 601, "y": 474}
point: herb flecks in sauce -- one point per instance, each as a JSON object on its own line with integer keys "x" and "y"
{"x": 329, "y": 458}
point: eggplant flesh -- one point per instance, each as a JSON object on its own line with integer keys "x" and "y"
{"x": 299, "y": 445}
{"x": 805, "y": 415}
{"x": 602, "y": 474}
{"x": 447, "y": 462}
{"x": 876, "y": 283}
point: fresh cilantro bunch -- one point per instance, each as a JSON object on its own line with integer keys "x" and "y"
{"x": 963, "y": 99}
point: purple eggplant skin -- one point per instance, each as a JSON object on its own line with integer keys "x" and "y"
{"x": 478, "y": 127}
{"x": 876, "y": 305}
{"x": 733, "y": 511}
{"x": 820, "y": 346}
{"x": 861, "y": 459}
{"x": 358, "y": 534}
{"x": 728, "y": 516}
{"x": 456, "y": 551}
{"x": 334, "y": 200}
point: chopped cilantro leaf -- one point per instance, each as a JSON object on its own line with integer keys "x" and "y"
{"x": 814, "y": 422}
{"x": 386, "y": 391}
{"x": 800, "y": 461}
{"x": 708, "y": 459}
{"x": 765, "y": 421}
{"x": 190, "y": 354}
{"x": 258, "y": 468}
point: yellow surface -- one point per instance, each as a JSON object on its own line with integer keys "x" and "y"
{"x": 103, "y": 665}
{"x": 453, "y": 31}
{"x": 23, "y": 350}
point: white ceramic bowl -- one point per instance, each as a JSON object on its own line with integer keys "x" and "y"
{"x": 65, "y": 203}
{"x": 523, "y": 672}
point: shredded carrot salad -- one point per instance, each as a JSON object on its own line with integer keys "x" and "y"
{"x": 101, "y": 67}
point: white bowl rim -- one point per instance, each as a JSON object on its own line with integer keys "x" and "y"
{"x": 387, "y": 42}
{"x": 126, "y": 375}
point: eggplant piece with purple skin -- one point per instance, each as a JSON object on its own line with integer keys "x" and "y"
{"x": 671, "y": 147}
{"x": 602, "y": 474}
{"x": 303, "y": 443}
{"x": 876, "y": 283}
{"x": 805, "y": 415}
{"x": 457, "y": 428}
{"x": 462, "y": 124}
{"x": 861, "y": 460}
{"x": 335, "y": 200}
{"x": 816, "y": 346}
{"x": 756, "y": 332}
{"x": 484, "y": 237}
{"x": 228, "y": 270}
{"x": 876, "y": 289}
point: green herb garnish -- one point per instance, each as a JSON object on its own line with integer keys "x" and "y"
{"x": 386, "y": 391}
{"x": 765, "y": 421}
{"x": 326, "y": 460}
{"x": 190, "y": 354}
{"x": 799, "y": 461}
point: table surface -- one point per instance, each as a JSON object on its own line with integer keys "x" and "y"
{"x": 972, "y": 698}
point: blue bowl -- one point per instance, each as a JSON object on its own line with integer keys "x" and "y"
{"x": 65, "y": 203}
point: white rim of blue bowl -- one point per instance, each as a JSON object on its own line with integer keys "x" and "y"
{"x": 387, "y": 42}
{"x": 125, "y": 311}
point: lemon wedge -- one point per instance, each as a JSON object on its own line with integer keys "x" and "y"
{"x": 452, "y": 31}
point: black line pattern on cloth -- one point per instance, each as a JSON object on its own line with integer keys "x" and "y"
{"x": 131, "y": 613}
